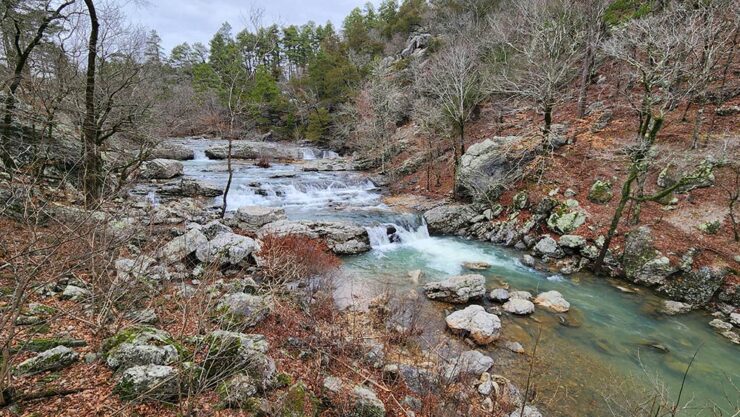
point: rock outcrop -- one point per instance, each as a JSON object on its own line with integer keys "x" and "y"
{"x": 448, "y": 219}
{"x": 343, "y": 238}
{"x": 642, "y": 263}
{"x": 161, "y": 169}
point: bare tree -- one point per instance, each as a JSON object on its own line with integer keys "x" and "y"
{"x": 452, "y": 83}
{"x": 21, "y": 54}
{"x": 536, "y": 50}
{"x": 659, "y": 53}
{"x": 593, "y": 33}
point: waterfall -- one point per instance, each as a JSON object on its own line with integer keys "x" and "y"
{"x": 308, "y": 154}
{"x": 391, "y": 235}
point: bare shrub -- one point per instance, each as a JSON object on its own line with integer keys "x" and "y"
{"x": 294, "y": 257}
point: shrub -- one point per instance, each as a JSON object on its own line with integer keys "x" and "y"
{"x": 295, "y": 257}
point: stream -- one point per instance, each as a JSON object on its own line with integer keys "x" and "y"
{"x": 610, "y": 344}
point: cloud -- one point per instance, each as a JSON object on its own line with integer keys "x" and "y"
{"x": 192, "y": 21}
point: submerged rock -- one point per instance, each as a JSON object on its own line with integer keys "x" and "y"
{"x": 552, "y": 300}
{"x": 458, "y": 289}
{"x": 519, "y": 306}
{"x": 671, "y": 307}
{"x": 483, "y": 327}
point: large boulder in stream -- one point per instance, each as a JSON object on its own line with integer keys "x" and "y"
{"x": 254, "y": 150}
{"x": 458, "y": 289}
{"x": 448, "y": 219}
{"x": 488, "y": 167}
{"x": 695, "y": 287}
{"x": 161, "y": 169}
{"x": 474, "y": 320}
{"x": 171, "y": 150}
{"x": 343, "y": 238}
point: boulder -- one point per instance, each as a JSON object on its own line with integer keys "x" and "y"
{"x": 552, "y": 300}
{"x": 366, "y": 403}
{"x": 486, "y": 168}
{"x": 735, "y": 319}
{"x": 600, "y": 192}
{"x": 448, "y": 219}
{"x": 672, "y": 308}
{"x": 457, "y": 289}
{"x": 253, "y": 217}
{"x": 231, "y": 352}
{"x": 254, "y": 150}
{"x": 482, "y": 326}
{"x": 190, "y": 187}
{"x": 172, "y": 151}
{"x": 148, "y": 382}
{"x": 520, "y": 201}
{"x": 182, "y": 246}
{"x": 244, "y": 310}
{"x": 161, "y": 169}
{"x": 214, "y": 228}
{"x": 476, "y": 266}
{"x": 528, "y": 260}
{"x": 49, "y": 360}
{"x": 642, "y": 263}
{"x": 700, "y": 176}
{"x": 695, "y": 287}
{"x": 519, "y": 307}
{"x": 133, "y": 269}
{"x": 720, "y": 325}
{"x": 140, "y": 345}
{"x": 227, "y": 249}
{"x": 499, "y": 294}
{"x": 343, "y": 238}
{"x": 565, "y": 219}
{"x": 547, "y": 246}
{"x": 470, "y": 362}
{"x": 237, "y": 390}
{"x": 75, "y": 293}
{"x": 572, "y": 241}
{"x": 522, "y": 295}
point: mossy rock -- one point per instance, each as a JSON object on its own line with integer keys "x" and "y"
{"x": 49, "y": 360}
{"x": 711, "y": 227}
{"x": 600, "y": 192}
{"x": 141, "y": 334}
{"x": 565, "y": 219}
{"x": 520, "y": 200}
{"x": 42, "y": 344}
{"x": 299, "y": 401}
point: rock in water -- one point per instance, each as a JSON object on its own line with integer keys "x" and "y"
{"x": 476, "y": 266}
{"x": 161, "y": 169}
{"x": 500, "y": 295}
{"x": 448, "y": 219}
{"x": 547, "y": 246}
{"x": 49, "y": 360}
{"x": 482, "y": 326}
{"x": 458, "y": 289}
{"x": 519, "y": 307}
{"x": 553, "y": 300}
{"x": 671, "y": 307}
{"x": 173, "y": 151}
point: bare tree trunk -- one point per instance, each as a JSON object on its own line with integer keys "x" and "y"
{"x": 459, "y": 152}
{"x": 231, "y": 175}
{"x": 588, "y": 62}
{"x": 92, "y": 182}
{"x": 548, "y": 119}
{"x": 624, "y": 199}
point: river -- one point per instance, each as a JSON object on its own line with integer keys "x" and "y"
{"x": 610, "y": 344}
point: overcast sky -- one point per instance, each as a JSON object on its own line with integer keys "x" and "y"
{"x": 191, "y": 21}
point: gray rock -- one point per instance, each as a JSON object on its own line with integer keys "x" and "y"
{"x": 161, "y": 169}
{"x": 529, "y": 411}
{"x": 140, "y": 345}
{"x": 520, "y": 201}
{"x": 49, "y": 360}
{"x": 448, "y": 219}
{"x": 458, "y": 289}
{"x": 522, "y": 295}
{"x": 547, "y": 246}
{"x": 244, "y": 310}
{"x": 343, "y": 238}
{"x": 566, "y": 219}
{"x": 515, "y": 347}
{"x": 572, "y": 241}
{"x": 252, "y": 218}
{"x": 172, "y": 151}
{"x": 470, "y": 362}
{"x": 672, "y": 308}
{"x": 190, "y": 187}
{"x": 231, "y": 352}
{"x": 519, "y": 307}
{"x": 254, "y": 150}
{"x": 182, "y": 246}
{"x": 720, "y": 325}
{"x": 227, "y": 249}
{"x": 75, "y": 293}
{"x": 696, "y": 287}
{"x": 145, "y": 316}
{"x": 367, "y": 403}
{"x": 528, "y": 260}
{"x": 500, "y": 295}
{"x": 148, "y": 382}
{"x": 333, "y": 384}
{"x": 237, "y": 390}
{"x": 485, "y": 168}
{"x": 133, "y": 269}
{"x": 552, "y": 300}
{"x": 482, "y": 326}
{"x": 735, "y": 319}
{"x": 600, "y": 192}
{"x": 215, "y": 228}
{"x": 642, "y": 263}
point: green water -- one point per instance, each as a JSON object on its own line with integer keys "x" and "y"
{"x": 599, "y": 349}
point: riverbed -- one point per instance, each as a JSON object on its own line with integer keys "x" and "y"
{"x": 611, "y": 343}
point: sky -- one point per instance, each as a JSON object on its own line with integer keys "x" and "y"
{"x": 178, "y": 21}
